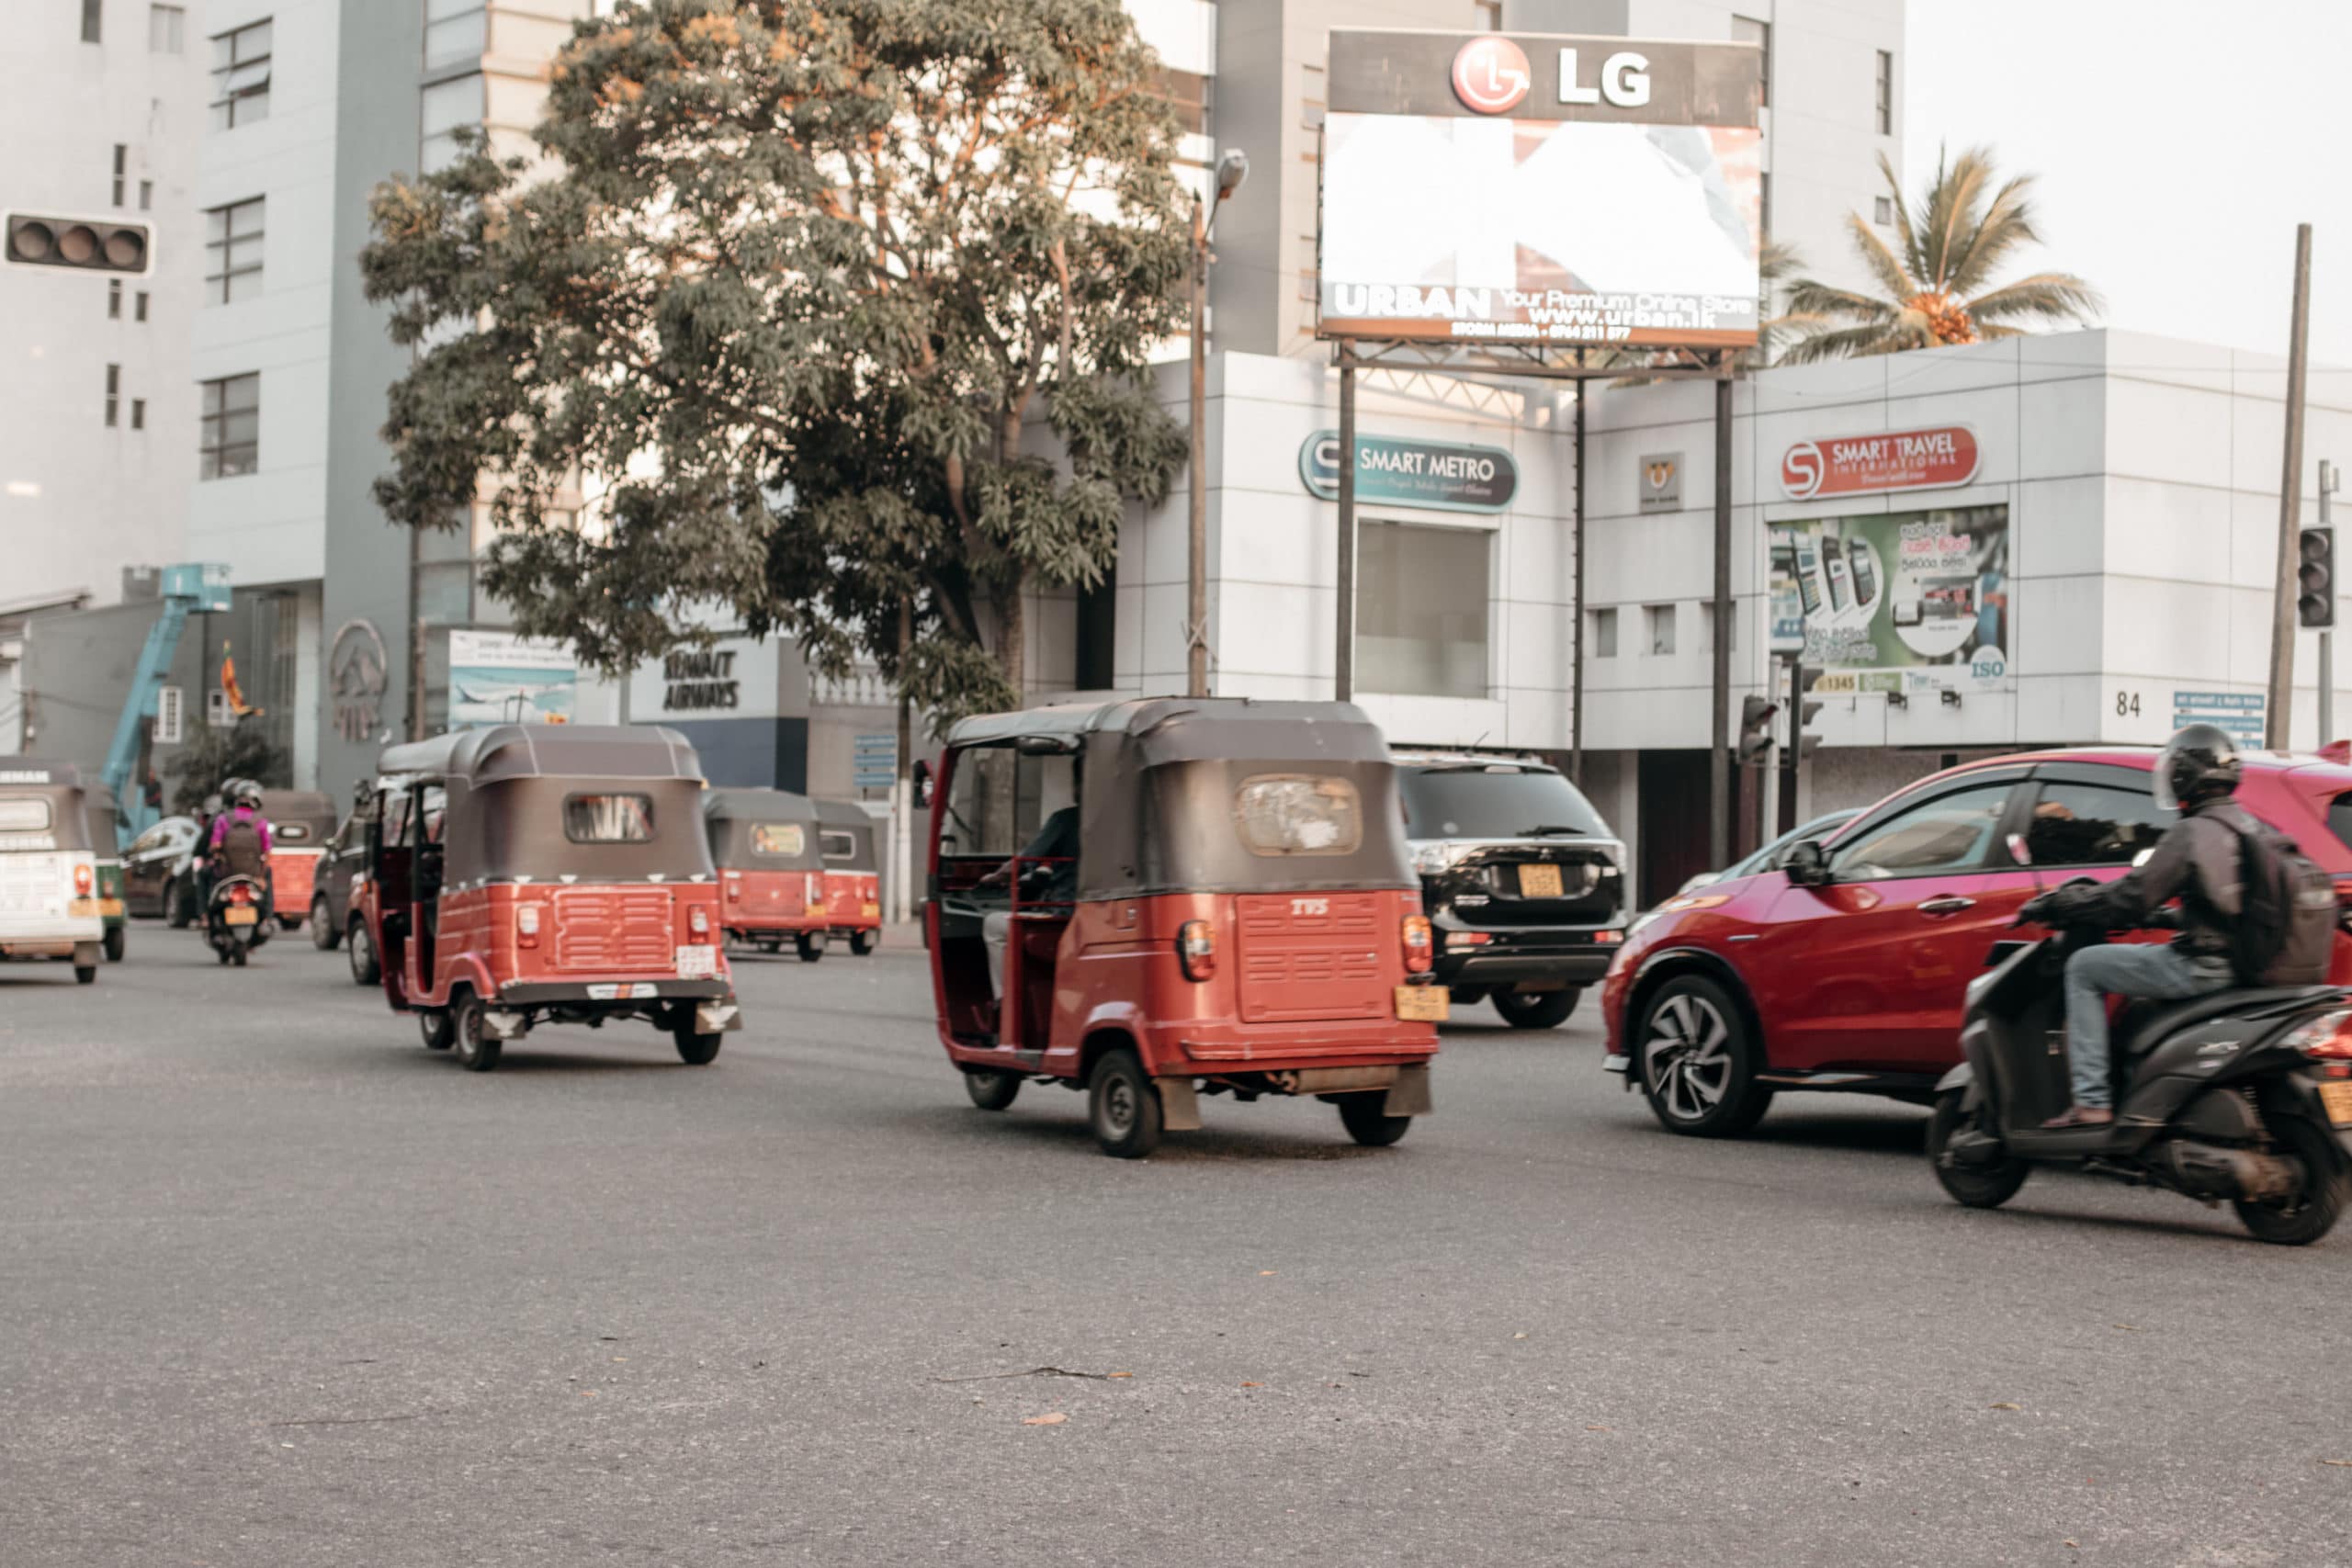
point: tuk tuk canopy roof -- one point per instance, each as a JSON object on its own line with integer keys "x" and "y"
{"x": 547, "y": 750}
{"x": 735, "y": 817}
{"x": 848, "y": 817}
{"x": 60, "y": 783}
{"x": 302, "y": 817}
{"x": 1162, "y": 783}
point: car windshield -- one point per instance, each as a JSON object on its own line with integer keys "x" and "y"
{"x": 1500, "y": 800}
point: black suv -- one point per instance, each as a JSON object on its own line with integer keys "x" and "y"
{"x": 1522, "y": 880}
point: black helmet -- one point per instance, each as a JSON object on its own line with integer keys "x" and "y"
{"x": 2199, "y": 763}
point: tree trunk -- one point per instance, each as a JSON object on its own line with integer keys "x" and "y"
{"x": 1011, "y": 612}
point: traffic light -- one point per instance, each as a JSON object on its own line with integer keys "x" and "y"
{"x": 88, "y": 244}
{"x": 1755, "y": 729}
{"x": 2315, "y": 578}
{"x": 1800, "y": 720}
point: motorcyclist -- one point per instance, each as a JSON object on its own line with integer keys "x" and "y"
{"x": 2198, "y": 861}
{"x": 240, "y": 842}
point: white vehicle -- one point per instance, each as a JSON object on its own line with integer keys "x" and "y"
{"x": 49, "y": 872}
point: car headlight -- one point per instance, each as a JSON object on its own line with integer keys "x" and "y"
{"x": 1431, "y": 860}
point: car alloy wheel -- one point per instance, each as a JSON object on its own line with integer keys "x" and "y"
{"x": 1696, "y": 1061}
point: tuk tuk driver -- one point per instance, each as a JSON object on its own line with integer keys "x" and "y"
{"x": 1055, "y": 841}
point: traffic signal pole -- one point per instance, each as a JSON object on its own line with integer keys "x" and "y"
{"x": 2279, "y": 703}
{"x": 2327, "y": 476}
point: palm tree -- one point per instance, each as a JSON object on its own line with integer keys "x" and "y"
{"x": 1948, "y": 248}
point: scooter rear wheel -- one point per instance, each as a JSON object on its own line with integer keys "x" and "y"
{"x": 1978, "y": 1186}
{"x": 2312, "y": 1213}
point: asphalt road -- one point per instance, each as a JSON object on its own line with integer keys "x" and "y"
{"x": 278, "y": 1287}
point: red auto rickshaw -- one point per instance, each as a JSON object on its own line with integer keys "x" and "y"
{"x": 853, "y": 874}
{"x": 771, "y": 869}
{"x": 528, "y": 873}
{"x": 1166, "y": 898}
{"x": 300, "y": 823}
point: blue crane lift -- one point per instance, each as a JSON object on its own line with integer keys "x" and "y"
{"x": 194, "y": 586}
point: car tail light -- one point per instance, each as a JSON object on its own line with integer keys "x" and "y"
{"x": 1196, "y": 948}
{"x": 81, "y": 881}
{"x": 1608, "y": 936}
{"x": 240, "y": 893}
{"x": 526, "y": 925}
{"x": 2327, "y": 1038}
{"x": 1416, "y": 945}
{"x": 1468, "y": 938}
{"x": 698, "y": 921}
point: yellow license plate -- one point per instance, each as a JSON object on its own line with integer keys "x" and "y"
{"x": 871, "y": 911}
{"x": 82, "y": 908}
{"x": 2337, "y": 1097}
{"x": 243, "y": 916}
{"x": 1539, "y": 882}
{"x": 1423, "y": 1004}
{"x": 110, "y": 907}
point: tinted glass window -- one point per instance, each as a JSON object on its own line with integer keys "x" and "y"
{"x": 2081, "y": 824}
{"x": 1298, "y": 814}
{"x": 1951, "y": 832}
{"x": 2339, "y": 819}
{"x": 1501, "y": 801}
{"x": 783, "y": 840}
{"x": 612, "y": 819}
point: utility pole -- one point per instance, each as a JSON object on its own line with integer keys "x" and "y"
{"x": 903, "y": 790}
{"x": 2279, "y": 703}
{"x": 1576, "y": 626}
{"x": 1231, "y": 170}
{"x": 1719, "y": 733}
{"x": 1343, "y": 684}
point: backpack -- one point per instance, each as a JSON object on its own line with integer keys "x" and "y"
{"x": 240, "y": 847}
{"x": 2285, "y": 932}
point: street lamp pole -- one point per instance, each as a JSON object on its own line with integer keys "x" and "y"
{"x": 1231, "y": 170}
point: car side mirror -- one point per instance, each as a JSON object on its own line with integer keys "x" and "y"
{"x": 1806, "y": 863}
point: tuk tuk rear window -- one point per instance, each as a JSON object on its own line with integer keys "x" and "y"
{"x": 783, "y": 840}
{"x": 1298, "y": 814}
{"x": 609, "y": 818}
{"x": 24, "y": 814}
{"x": 837, "y": 845}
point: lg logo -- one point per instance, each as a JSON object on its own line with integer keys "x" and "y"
{"x": 1801, "y": 470}
{"x": 1491, "y": 74}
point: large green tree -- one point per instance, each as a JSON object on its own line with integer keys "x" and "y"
{"x": 1935, "y": 282}
{"x": 810, "y": 290}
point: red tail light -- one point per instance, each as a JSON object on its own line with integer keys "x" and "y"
{"x": 1416, "y": 945}
{"x": 1196, "y": 949}
{"x": 698, "y": 921}
{"x": 2327, "y": 1038}
{"x": 527, "y": 926}
{"x": 82, "y": 881}
{"x": 240, "y": 893}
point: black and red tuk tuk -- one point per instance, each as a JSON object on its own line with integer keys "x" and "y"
{"x": 1165, "y": 898}
{"x": 300, "y": 823}
{"x": 528, "y": 874}
{"x": 771, "y": 868}
{"x": 853, "y": 874}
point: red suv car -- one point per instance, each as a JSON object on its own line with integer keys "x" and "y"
{"x": 1739, "y": 990}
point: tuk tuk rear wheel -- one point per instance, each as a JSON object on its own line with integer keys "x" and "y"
{"x": 477, "y": 1051}
{"x": 114, "y": 942}
{"x": 991, "y": 1091}
{"x": 694, "y": 1050}
{"x": 325, "y": 934}
{"x": 1366, "y": 1118}
{"x": 433, "y": 1026}
{"x": 811, "y": 948}
{"x": 1123, "y": 1107}
{"x": 238, "y": 958}
{"x": 85, "y": 974}
{"x": 861, "y": 942}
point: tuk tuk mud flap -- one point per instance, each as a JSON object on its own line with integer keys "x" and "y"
{"x": 1179, "y": 1108}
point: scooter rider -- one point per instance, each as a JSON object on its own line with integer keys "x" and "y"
{"x": 240, "y": 845}
{"x": 2196, "y": 860}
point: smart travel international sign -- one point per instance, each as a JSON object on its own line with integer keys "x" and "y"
{"x": 1899, "y": 602}
{"x": 1859, "y": 465}
{"x": 1390, "y": 471}
{"x": 1539, "y": 190}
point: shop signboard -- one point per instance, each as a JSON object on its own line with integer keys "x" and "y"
{"x": 2240, "y": 713}
{"x": 1897, "y": 601}
{"x": 1938, "y": 459}
{"x": 1484, "y": 187}
{"x": 1660, "y": 484}
{"x": 1437, "y": 476}
{"x": 499, "y": 678}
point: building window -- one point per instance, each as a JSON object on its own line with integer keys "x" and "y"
{"x": 446, "y": 106}
{"x": 121, "y": 155}
{"x": 1421, "y": 597}
{"x": 114, "y": 298}
{"x": 114, "y": 388}
{"x": 1605, "y": 632}
{"x": 141, "y": 312}
{"x": 166, "y": 28}
{"x": 1658, "y": 626}
{"x": 1746, "y": 29}
{"x": 1885, "y": 93}
{"x": 1186, "y": 94}
{"x": 1098, "y": 637}
{"x": 1490, "y": 14}
{"x": 92, "y": 12}
{"x": 454, "y": 30}
{"x": 232, "y": 438}
{"x": 241, "y": 76}
{"x": 1882, "y": 211}
{"x": 233, "y": 251}
{"x": 146, "y": 195}
{"x": 138, "y": 413}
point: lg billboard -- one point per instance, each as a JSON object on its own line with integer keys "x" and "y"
{"x": 1541, "y": 190}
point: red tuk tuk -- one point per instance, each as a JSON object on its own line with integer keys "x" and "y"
{"x": 852, "y": 873}
{"x": 1164, "y": 898}
{"x": 300, "y": 823}
{"x": 521, "y": 874}
{"x": 764, "y": 842}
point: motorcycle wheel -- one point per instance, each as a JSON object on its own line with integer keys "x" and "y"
{"x": 1979, "y": 1187}
{"x": 2313, "y": 1212}
{"x": 240, "y": 958}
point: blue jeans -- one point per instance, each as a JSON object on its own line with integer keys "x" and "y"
{"x": 2158, "y": 973}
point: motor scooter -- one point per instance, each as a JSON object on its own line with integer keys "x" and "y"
{"x": 232, "y": 918}
{"x": 2242, "y": 1095}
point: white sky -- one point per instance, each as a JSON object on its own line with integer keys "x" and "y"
{"x": 2178, "y": 143}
